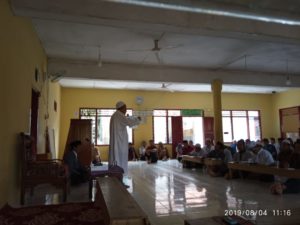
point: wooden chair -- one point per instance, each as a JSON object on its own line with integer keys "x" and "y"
{"x": 35, "y": 172}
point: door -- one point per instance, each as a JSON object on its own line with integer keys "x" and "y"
{"x": 177, "y": 133}
{"x": 208, "y": 124}
{"x": 34, "y": 117}
{"x": 290, "y": 122}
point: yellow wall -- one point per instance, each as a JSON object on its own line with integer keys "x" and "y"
{"x": 72, "y": 99}
{"x": 21, "y": 52}
{"x": 284, "y": 100}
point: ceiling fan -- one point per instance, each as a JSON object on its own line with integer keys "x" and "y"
{"x": 156, "y": 49}
{"x": 166, "y": 87}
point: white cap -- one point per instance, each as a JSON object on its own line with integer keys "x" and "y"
{"x": 286, "y": 141}
{"x": 119, "y": 104}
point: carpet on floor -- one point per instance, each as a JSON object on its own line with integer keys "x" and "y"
{"x": 86, "y": 213}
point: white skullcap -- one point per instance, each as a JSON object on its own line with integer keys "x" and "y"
{"x": 119, "y": 104}
{"x": 286, "y": 141}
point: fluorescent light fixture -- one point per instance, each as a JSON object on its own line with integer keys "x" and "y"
{"x": 210, "y": 10}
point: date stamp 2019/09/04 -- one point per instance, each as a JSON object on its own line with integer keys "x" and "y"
{"x": 257, "y": 212}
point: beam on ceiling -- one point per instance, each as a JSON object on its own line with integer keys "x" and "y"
{"x": 131, "y": 72}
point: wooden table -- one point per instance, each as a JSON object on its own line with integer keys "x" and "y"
{"x": 216, "y": 220}
{"x": 212, "y": 162}
{"x": 256, "y": 168}
{"x": 186, "y": 159}
{"x": 119, "y": 206}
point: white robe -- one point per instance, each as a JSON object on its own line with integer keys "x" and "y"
{"x": 118, "y": 142}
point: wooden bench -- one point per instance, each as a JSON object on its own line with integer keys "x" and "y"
{"x": 263, "y": 169}
{"x": 118, "y": 205}
{"x": 187, "y": 160}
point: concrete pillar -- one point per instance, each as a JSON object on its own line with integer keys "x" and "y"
{"x": 216, "y": 87}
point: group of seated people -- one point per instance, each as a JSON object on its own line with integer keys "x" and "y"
{"x": 150, "y": 153}
{"x": 285, "y": 154}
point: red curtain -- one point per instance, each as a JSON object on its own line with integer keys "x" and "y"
{"x": 177, "y": 133}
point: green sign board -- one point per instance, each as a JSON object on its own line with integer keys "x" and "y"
{"x": 192, "y": 112}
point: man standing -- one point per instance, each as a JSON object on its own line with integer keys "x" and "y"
{"x": 118, "y": 142}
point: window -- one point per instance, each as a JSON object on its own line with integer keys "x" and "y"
{"x": 100, "y": 124}
{"x": 162, "y": 126}
{"x": 241, "y": 124}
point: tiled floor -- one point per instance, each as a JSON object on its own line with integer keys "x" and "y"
{"x": 169, "y": 194}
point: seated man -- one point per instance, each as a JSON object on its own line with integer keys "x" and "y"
{"x": 286, "y": 151}
{"x": 242, "y": 154}
{"x": 220, "y": 152}
{"x": 151, "y": 152}
{"x": 186, "y": 149}
{"x": 131, "y": 152}
{"x": 290, "y": 185}
{"x": 208, "y": 147}
{"x": 78, "y": 173}
{"x": 162, "y": 152}
{"x": 142, "y": 150}
{"x": 262, "y": 156}
{"x": 191, "y": 145}
{"x": 198, "y": 151}
{"x": 179, "y": 151}
{"x": 271, "y": 148}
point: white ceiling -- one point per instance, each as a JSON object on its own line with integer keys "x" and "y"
{"x": 82, "y": 41}
{"x": 192, "y": 35}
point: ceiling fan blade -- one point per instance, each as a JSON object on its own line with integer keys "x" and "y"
{"x": 166, "y": 87}
{"x": 144, "y": 59}
{"x": 158, "y": 57}
{"x": 173, "y": 46}
{"x": 139, "y": 50}
{"x": 161, "y": 36}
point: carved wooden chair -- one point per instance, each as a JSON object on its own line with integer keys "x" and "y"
{"x": 35, "y": 172}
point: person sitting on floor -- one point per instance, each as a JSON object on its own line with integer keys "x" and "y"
{"x": 179, "y": 151}
{"x": 289, "y": 185}
{"x": 220, "y": 152}
{"x": 271, "y": 148}
{"x": 242, "y": 155}
{"x": 198, "y": 151}
{"x": 208, "y": 147}
{"x": 162, "y": 152}
{"x": 261, "y": 155}
{"x": 131, "y": 152}
{"x": 276, "y": 145}
{"x": 191, "y": 145}
{"x": 295, "y": 156}
{"x": 186, "y": 149}
{"x": 285, "y": 152}
{"x": 78, "y": 173}
{"x": 151, "y": 152}
{"x": 142, "y": 150}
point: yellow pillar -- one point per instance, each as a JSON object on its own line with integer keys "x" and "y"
{"x": 216, "y": 87}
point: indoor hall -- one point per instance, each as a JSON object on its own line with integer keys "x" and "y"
{"x": 228, "y": 70}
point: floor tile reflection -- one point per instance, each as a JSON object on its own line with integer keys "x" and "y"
{"x": 169, "y": 194}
